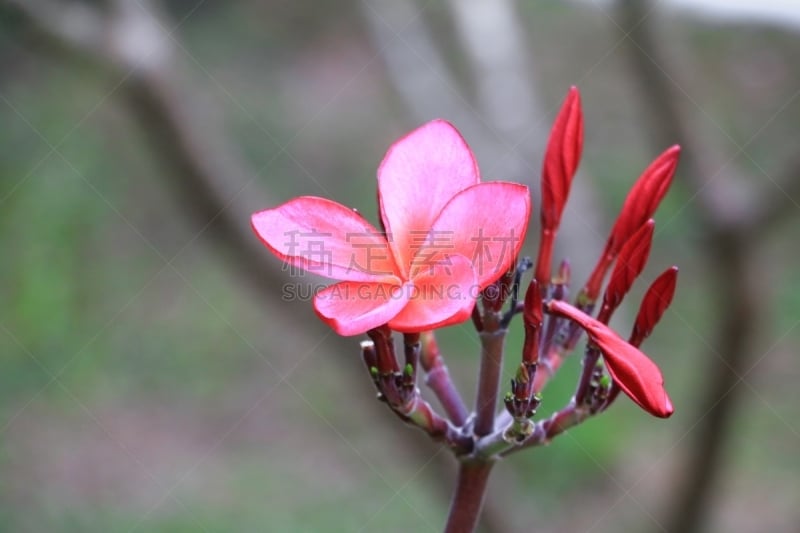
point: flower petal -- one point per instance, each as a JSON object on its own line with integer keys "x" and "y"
{"x": 485, "y": 223}
{"x": 637, "y": 376}
{"x": 419, "y": 174}
{"x": 352, "y": 308}
{"x": 325, "y": 238}
{"x": 633, "y": 371}
{"x": 442, "y": 294}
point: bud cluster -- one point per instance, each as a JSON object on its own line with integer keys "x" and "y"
{"x": 627, "y": 249}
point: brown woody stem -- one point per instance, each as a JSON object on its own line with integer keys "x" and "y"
{"x": 545, "y": 430}
{"x": 465, "y": 508}
{"x": 492, "y": 342}
{"x": 419, "y": 413}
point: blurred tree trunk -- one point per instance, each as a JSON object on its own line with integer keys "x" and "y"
{"x": 729, "y": 235}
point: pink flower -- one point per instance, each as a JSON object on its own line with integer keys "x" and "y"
{"x": 633, "y": 371}
{"x": 447, "y": 236}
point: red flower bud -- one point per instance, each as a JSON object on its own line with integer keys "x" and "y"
{"x": 655, "y": 302}
{"x": 532, "y": 311}
{"x": 633, "y": 371}
{"x": 561, "y": 159}
{"x": 640, "y": 204}
{"x": 560, "y": 163}
{"x": 630, "y": 263}
{"x": 643, "y": 198}
{"x": 532, "y": 317}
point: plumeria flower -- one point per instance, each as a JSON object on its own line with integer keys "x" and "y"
{"x": 446, "y": 236}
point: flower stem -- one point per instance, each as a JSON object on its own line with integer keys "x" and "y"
{"x": 438, "y": 379}
{"x": 590, "y": 359}
{"x": 419, "y": 413}
{"x": 492, "y": 342}
{"x": 545, "y": 430}
{"x": 465, "y": 509}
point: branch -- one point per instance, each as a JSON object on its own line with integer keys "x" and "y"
{"x": 492, "y": 344}
{"x": 73, "y": 24}
{"x": 437, "y": 378}
{"x": 206, "y": 177}
{"x": 465, "y": 509}
{"x": 505, "y": 443}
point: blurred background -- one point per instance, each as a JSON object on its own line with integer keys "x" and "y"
{"x": 152, "y": 377}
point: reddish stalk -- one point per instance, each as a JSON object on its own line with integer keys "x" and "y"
{"x": 492, "y": 341}
{"x": 465, "y": 508}
{"x": 438, "y": 380}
